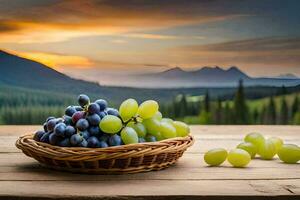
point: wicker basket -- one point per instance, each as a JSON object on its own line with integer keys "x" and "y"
{"x": 123, "y": 159}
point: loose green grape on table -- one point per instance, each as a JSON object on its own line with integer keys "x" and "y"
{"x": 255, "y": 145}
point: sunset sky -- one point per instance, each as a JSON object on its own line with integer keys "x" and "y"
{"x": 95, "y": 38}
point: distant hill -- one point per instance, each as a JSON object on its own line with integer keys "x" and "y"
{"x": 27, "y": 75}
{"x": 17, "y": 71}
{"x": 24, "y": 73}
{"x": 287, "y": 76}
{"x": 213, "y": 77}
{"x": 233, "y": 74}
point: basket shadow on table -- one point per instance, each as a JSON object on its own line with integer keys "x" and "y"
{"x": 39, "y": 172}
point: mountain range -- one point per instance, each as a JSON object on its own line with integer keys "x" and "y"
{"x": 215, "y": 77}
{"x": 21, "y": 74}
{"x": 18, "y": 72}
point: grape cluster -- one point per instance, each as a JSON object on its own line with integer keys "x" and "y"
{"x": 254, "y": 143}
{"x": 96, "y": 125}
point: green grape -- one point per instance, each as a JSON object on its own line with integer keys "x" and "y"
{"x": 158, "y": 136}
{"x": 215, "y": 157}
{"x": 182, "y": 129}
{"x": 152, "y": 125}
{"x": 249, "y": 147}
{"x": 158, "y": 115}
{"x": 148, "y": 109}
{"x": 267, "y": 150}
{"x": 289, "y": 153}
{"x": 255, "y": 138}
{"x": 110, "y": 124}
{"x": 139, "y": 128}
{"x": 128, "y": 109}
{"x": 167, "y": 130}
{"x": 129, "y": 136}
{"x": 168, "y": 120}
{"x": 277, "y": 141}
{"x": 238, "y": 158}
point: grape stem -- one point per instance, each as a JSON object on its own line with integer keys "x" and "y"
{"x": 135, "y": 119}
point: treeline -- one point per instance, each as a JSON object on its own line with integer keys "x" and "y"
{"x": 28, "y": 114}
{"x": 24, "y": 106}
{"x": 236, "y": 111}
{"x": 14, "y": 96}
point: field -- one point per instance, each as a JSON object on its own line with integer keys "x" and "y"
{"x": 259, "y": 103}
{"x": 257, "y": 109}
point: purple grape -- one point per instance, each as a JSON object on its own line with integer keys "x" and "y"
{"x": 102, "y": 114}
{"x": 70, "y": 130}
{"x": 53, "y": 138}
{"x": 84, "y": 143}
{"x": 70, "y": 110}
{"x": 114, "y": 140}
{"x": 102, "y": 104}
{"x": 38, "y": 135}
{"x": 93, "y": 142}
{"x": 64, "y": 143}
{"x": 49, "y": 118}
{"x": 112, "y": 111}
{"x": 82, "y": 124}
{"x": 94, "y": 130}
{"x": 85, "y": 134}
{"x": 93, "y": 108}
{"x": 77, "y": 116}
{"x": 60, "y": 130}
{"x": 45, "y": 127}
{"x": 45, "y": 137}
{"x": 51, "y": 124}
{"x": 76, "y": 139}
{"x": 103, "y": 144}
{"x": 83, "y": 100}
{"x": 93, "y": 119}
{"x": 68, "y": 120}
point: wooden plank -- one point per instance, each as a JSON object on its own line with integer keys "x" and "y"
{"x": 40, "y": 174}
{"x": 203, "y": 144}
{"x": 204, "y": 189}
{"x": 189, "y": 167}
{"x": 18, "y": 130}
{"x": 187, "y": 161}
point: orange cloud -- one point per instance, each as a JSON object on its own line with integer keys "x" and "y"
{"x": 151, "y": 36}
{"x": 63, "y": 62}
{"x": 54, "y": 22}
{"x": 58, "y": 61}
{"x": 160, "y": 37}
{"x": 31, "y": 32}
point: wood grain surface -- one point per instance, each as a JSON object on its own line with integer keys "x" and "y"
{"x": 190, "y": 178}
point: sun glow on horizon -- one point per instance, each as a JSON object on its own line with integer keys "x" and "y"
{"x": 57, "y": 61}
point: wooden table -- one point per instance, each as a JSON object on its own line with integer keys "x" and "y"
{"x": 23, "y": 178}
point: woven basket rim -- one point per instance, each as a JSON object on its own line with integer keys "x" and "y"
{"x": 157, "y": 143}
